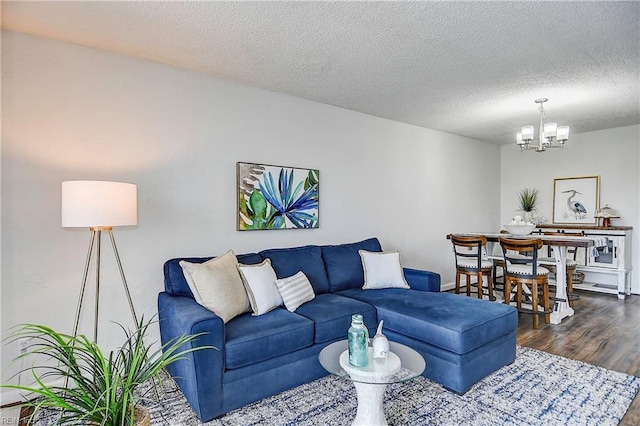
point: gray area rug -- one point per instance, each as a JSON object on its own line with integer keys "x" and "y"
{"x": 538, "y": 388}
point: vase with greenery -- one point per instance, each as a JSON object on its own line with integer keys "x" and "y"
{"x": 528, "y": 197}
{"x": 87, "y": 386}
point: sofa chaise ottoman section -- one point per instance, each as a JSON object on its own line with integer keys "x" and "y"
{"x": 458, "y": 372}
{"x": 452, "y": 322}
{"x": 454, "y": 328}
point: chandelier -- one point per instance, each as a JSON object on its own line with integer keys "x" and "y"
{"x": 548, "y": 134}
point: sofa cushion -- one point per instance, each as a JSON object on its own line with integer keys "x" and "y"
{"x": 260, "y": 282}
{"x": 331, "y": 314}
{"x": 174, "y": 281}
{"x": 216, "y": 285}
{"x": 382, "y": 270}
{"x": 308, "y": 259}
{"x": 251, "y": 339}
{"x": 343, "y": 263}
{"x": 456, "y": 323}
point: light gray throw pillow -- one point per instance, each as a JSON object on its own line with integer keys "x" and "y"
{"x": 216, "y": 285}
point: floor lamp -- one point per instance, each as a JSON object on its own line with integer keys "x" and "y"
{"x": 99, "y": 206}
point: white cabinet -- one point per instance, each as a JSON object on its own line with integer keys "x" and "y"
{"x": 607, "y": 267}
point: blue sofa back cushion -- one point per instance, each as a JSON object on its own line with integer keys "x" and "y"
{"x": 174, "y": 281}
{"x": 343, "y": 263}
{"x": 308, "y": 259}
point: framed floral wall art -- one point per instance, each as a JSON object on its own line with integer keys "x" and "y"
{"x": 576, "y": 199}
{"x": 277, "y": 197}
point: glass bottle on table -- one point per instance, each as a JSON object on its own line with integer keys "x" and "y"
{"x": 358, "y": 342}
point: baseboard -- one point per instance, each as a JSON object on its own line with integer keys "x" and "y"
{"x": 452, "y": 285}
{"x": 447, "y": 286}
{"x": 9, "y": 397}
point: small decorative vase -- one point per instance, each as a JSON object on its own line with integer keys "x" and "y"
{"x": 528, "y": 216}
{"x": 358, "y": 338}
{"x": 380, "y": 343}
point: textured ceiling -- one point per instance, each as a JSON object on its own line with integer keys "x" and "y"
{"x": 469, "y": 68}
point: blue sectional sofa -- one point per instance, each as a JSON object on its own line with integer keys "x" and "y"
{"x": 462, "y": 339}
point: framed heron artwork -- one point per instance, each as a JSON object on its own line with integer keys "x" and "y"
{"x": 277, "y": 197}
{"x": 576, "y": 199}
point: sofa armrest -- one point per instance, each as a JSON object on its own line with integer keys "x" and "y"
{"x": 422, "y": 280}
{"x": 199, "y": 374}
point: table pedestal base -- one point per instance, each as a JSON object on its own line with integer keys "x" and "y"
{"x": 561, "y": 309}
{"x": 401, "y": 365}
{"x": 559, "y": 313}
{"x": 370, "y": 405}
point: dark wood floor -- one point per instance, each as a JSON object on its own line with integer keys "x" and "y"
{"x": 604, "y": 331}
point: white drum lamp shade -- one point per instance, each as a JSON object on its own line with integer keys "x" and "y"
{"x": 92, "y": 204}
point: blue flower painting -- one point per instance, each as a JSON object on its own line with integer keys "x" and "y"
{"x": 275, "y": 197}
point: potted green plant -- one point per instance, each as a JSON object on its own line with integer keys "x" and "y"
{"x": 528, "y": 197}
{"x": 98, "y": 388}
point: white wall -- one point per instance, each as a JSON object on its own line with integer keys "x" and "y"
{"x": 76, "y": 113}
{"x": 612, "y": 154}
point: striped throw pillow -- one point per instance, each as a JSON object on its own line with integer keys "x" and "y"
{"x": 295, "y": 290}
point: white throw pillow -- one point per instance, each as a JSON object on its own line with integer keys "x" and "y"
{"x": 216, "y": 285}
{"x": 260, "y": 283}
{"x": 382, "y": 270}
{"x": 295, "y": 290}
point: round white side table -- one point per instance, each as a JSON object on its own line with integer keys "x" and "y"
{"x": 402, "y": 364}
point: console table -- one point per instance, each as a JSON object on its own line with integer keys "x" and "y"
{"x": 609, "y": 271}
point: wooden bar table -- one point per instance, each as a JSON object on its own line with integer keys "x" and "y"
{"x": 558, "y": 244}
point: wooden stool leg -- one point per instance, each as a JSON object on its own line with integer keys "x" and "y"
{"x": 570, "y": 286}
{"x": 468, "y": 279}
{"x": 534, "y": 303}
{"x": 519, "y": 295}
{"x": 507, "y": 291}
{"x": 457, "y": 282}
{"x": 495, "y": 273}
{"x": 480, "y": 284}
{"x": 490, "y": 285}
{"x": 546, "y": 302}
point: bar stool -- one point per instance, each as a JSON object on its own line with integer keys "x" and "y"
{"x": 499, "y": 263}
{"x": 470, "y": 261}
{"x": 570, "y": 265}
{"x": 523, "y": 272}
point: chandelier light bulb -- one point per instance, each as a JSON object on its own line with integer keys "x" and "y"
{"x": 550, "y": 130}
{"x": 563, "y": 133}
